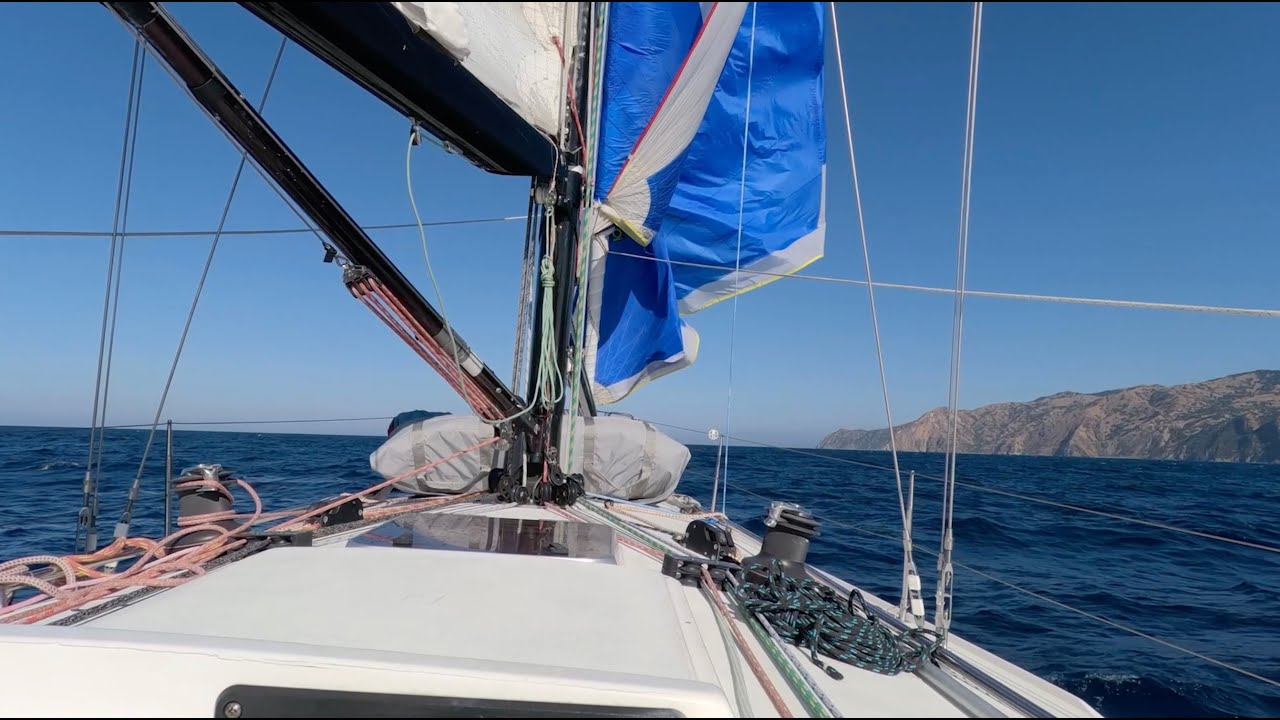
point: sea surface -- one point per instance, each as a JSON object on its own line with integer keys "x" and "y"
{"x": 1218, "y": 599}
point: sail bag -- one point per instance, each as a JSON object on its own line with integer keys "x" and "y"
{"x": 618, "y": 456}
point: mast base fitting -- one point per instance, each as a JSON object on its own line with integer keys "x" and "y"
{"x": 510, "y": 490}
{"x": 562, "y": 490}
{"x": 786, "y": 542}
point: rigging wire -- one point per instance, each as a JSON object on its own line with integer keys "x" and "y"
{"x": 910, "y": 599}
{"x": 737, "y": 264}
{"x": 261, "y": 231}
{"x": 256, "y": 422}
{"x": 1031, "y": 297}
{"x": 86, "y": 524}
{"x": 122, "y": 527}
{"x": 519, "y": 362}
{"x": 115, "y": 300}
{"x": 266, "y": 177}
{"x": 1132, "y": 304}
{"x": 1025, "y": 497}
{"x": 942, "y": 603}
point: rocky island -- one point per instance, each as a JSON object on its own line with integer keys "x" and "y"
{"x": 1234, "y": 418}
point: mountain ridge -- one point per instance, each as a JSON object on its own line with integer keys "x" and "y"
{"x": 1234, "y": 418}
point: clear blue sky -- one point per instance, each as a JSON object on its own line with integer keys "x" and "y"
{"x": 1122, "y": 151}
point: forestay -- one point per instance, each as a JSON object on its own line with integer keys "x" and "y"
{"x": 711, "y": 150}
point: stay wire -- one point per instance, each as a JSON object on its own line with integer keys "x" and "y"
{"x": 115, "y": 300}
{"x": 737, "y": 259}
{"x": 86, "y": 523}
{"x": 943, "y": 600}
{"x": 1031, "y": 297}
{"x": 910, "y": 576}
{"x": 250, "y": 231}
{"x": 122, "y": 527}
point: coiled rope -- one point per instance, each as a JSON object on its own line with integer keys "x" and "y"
{"x": 811, "y": 615}
{"x": 162, "y": 563}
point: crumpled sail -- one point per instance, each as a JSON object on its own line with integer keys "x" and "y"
{"x": 669, "y": 183}
{"x": 511, "y": 47}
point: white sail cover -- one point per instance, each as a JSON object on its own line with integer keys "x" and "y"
{"x": 618, "y": 456}
{"x": 508, "y": 46}
{"x": 680, "y": 201}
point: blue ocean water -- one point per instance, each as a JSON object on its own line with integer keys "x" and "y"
{"x": 1219, "y": 599}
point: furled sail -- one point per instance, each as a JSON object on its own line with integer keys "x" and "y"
{"x": 674, "y": 184}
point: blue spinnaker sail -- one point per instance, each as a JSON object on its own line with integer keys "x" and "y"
{"x": 679, "y": 89}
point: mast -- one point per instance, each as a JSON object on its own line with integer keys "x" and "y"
{"x": 567, "y": 211}
{"x": 241, "y": 121}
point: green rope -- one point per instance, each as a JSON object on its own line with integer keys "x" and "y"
{"x": 809, "y": 614}
{"x": 804, "y": 688}
{"x": 548, "y": 368}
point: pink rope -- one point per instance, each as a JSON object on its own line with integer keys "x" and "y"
{"x": 158, "y": 566}
{"x": 393, "y": 313}
{"x": 478, "y": 401}
{"x": 378, "y": 307}
{"x": 150, "y": 570}
{"x": 386, "y": 483}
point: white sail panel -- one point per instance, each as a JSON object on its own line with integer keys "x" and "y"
{"x": 510, "y": 47}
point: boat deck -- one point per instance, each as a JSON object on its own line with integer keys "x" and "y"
{"x": 553, "y": 611}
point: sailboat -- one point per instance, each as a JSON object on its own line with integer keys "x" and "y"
{"x": 533, "y": 559}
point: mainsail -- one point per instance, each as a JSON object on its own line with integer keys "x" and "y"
{"x": 677, "y": 185}
{"x": 515, "y": 48}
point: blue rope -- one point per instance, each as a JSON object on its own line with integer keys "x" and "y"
{"x": 811, "y": 615}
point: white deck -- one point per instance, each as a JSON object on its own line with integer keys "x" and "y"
{"x": 441, "y": 622}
